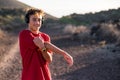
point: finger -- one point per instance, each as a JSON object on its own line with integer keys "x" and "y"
{"x": 70, "y": 62}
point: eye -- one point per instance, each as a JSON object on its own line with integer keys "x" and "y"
{"x": 34, "y": 19}
{"x": 39, "y": 19}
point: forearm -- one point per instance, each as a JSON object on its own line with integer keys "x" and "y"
{"x": 54, "y": 48}
{"x": 47, "y": 56}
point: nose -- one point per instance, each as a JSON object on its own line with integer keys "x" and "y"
{"x": 37, "y": 22}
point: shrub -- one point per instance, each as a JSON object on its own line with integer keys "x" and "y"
{"x": 107, "y": 32}
{"x": 69, "y": 29}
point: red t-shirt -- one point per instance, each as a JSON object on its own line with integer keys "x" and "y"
{"x": 35, "y": 66}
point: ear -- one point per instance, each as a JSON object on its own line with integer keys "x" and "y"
{"x": 26, "y": 19}
{"x": 42, "y": 20}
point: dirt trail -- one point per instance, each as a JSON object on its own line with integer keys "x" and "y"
{"x": 10, "y": 67}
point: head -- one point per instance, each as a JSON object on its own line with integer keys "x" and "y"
{"x": 34, "y": 18}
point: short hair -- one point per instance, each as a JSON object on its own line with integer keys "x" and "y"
{"x": 32, "y": 12}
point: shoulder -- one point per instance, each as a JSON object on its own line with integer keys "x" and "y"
{"x": 45, "y": 36}
{"x": 24, "y": 33}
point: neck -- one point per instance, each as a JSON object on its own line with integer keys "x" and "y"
{"x": 33, "y": 31}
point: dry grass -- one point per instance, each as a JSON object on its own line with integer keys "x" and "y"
{"x": 69, "y": 29}
{"x": 81, "y": 33}
{"x": 106, "y": 32}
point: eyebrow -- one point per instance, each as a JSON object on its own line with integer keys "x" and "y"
{"x": 40, "y": 19}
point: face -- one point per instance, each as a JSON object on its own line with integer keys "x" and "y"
{"x": 35, "y": 22}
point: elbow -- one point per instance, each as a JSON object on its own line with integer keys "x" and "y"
{"x": 49, "y": 57}
{"x": 49, "y": 60}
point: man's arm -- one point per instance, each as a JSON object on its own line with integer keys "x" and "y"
{"x": 47, "y": 56}
{"x": 55, "y": 49}
{"x": 49, "y": 46}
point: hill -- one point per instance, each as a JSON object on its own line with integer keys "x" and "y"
{"x": 88, "y": 18}
{"x": 14, "y": 4}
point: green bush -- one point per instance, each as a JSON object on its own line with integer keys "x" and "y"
{"x": 69, "y": 20}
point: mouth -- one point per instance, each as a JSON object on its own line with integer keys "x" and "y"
{"x": 37, "y": 25}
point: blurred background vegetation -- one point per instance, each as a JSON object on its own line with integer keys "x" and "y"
{"x": 103, "y": 25}
{"x": 89, "y": 18}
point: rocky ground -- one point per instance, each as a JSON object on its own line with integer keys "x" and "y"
{"x": 91, "y": 61}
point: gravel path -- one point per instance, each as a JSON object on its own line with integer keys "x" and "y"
{"x": 10, "y": 66}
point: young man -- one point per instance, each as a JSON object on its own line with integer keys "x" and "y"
{"x": 36, "y": 49}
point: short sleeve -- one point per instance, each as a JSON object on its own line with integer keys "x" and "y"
{"x": 46, "y": 38}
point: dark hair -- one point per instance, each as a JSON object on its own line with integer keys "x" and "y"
{"x": 32, "y": 12}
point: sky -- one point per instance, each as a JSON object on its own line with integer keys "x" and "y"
{"x": 59, "y": 8}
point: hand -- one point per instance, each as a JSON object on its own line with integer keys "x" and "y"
{"x": 69, "y": 59}
{"x": 38, "y": 41}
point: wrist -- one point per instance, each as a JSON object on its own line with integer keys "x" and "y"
{"x": 43, "y": 49}
{"x": 63, "y": 53}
